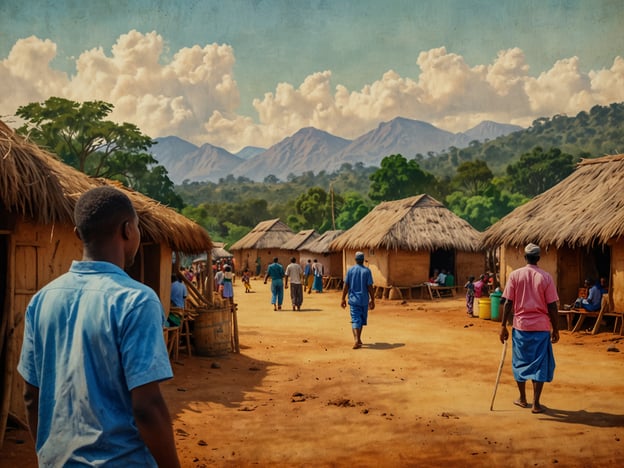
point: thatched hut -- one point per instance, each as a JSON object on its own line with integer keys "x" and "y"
{"x": 257, "y": 249}
{"x": 579, "y": 223}
{"x": 405, "y": 240}
{"x": 299, "y": 242}
{"x": 321, "y": 250}
{"x": 37, "y": 242}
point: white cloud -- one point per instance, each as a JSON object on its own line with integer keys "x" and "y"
{"x": 195, "y": 95}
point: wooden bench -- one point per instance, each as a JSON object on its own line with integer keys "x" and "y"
{"x": 439, "y": 291}
{"x": 399, "y": 292}
{"x": 605, "y": 311}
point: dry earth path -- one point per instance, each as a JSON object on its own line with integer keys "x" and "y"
{"x": 417, "y": 394}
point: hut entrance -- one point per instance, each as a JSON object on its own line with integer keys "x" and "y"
{"x": 599, "y": 262}
{"x": 442, "y": 259}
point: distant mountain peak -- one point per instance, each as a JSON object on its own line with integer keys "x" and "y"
{"x": 311, "y": 149}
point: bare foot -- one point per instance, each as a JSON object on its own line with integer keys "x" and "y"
{"x": 357, "y": 345}
{"x": 537, "y": 409}
{"x": 521, "y": 403}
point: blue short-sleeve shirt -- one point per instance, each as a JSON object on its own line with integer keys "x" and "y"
{"x": 359, "y": 278}
{"x": 91, "y": 336}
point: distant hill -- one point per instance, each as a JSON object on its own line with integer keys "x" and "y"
{"x": 588, "y": 134}
{"x": 249, "y": 152}
{"x": 185, "y": 161}
{"x": 307, "y": 150}
{"x": 488, "y": 130}
{"x": 404, "y": 136}
{"x": 310, "y": 149}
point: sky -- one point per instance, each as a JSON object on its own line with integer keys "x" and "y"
{"x": 242, "y": 73}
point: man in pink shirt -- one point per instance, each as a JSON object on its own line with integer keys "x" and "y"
{"x": 531, "y": 297}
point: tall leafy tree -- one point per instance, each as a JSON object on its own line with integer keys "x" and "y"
{"x": 314, "y": 209}
{"x": 399, "y": 178}
{"x": 472, "y": 177}
{"x": 538, "y": 171}
{"x": 81, "y": 137}
{"x": 355, "y": 207}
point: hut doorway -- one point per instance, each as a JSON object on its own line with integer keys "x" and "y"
{"x": 600, "y": 263}
{"x": 442, "y": 259}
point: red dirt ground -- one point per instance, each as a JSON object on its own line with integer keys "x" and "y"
{"x": 417, "y": 394}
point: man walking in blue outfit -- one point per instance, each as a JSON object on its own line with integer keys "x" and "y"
{"x": 276, "y": 273}
{"x": 358, "y": 284}
{"x": 93, "y": 352}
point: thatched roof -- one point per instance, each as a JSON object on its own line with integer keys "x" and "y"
{"x": 415, "y": 223}
{"x": 36, "y": 185}
{"x": 584, "y": 209}
{"x": 322, "y": 244}
{"x": 271, "y": 234}
{"x": 218, "y": 251}
{"x": 301, "y": 240}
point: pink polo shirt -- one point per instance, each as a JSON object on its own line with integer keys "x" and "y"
{"x": 530, "y": 289}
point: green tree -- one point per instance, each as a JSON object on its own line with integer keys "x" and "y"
{"x": 472, "y": 177}
{"x": 538, "y": 171}
{"x": 81, "y": 137}
{"x": 314, "y": 209}
{"x": 399, "y": 178}
{"x": 354, "y": 208}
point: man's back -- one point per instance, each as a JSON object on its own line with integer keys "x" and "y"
{"x": 359, "y": 278}
{"x": 178, "y": 293}
{"x": 531, "y": 289}
{"x": 91, "y": 336}
{"x": 294, "y": 273}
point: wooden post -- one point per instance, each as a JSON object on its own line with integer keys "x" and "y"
{"x": 8, "y": 340}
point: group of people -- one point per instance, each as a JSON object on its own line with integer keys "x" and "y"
{"x": 357, "y": 290}
{"x": 442, "y": 277}
{"x": 93, "y": 341}
{"x": 476, "y": 290}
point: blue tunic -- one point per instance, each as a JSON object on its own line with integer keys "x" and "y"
{"x": 90, "y": 337}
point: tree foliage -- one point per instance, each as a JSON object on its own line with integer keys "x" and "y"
{"x": 399, "y": 178}
{"x": 81, "y": 137}
{"x": 538, "y": 171}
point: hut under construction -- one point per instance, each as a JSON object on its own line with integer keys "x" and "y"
{"x": 579, "y": 225}
{"x": 405, "y": 240}
{"x": 38, "y": 244}
{"x": 264, "y": 242}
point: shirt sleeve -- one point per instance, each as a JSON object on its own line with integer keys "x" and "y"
{"x": 26, "y": 366}
{"x": 143, "y": 352}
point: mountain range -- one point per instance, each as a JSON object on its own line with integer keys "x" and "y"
{"x": 310, "y": 149}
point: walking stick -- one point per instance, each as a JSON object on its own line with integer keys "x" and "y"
{"x": 500, "y": 371}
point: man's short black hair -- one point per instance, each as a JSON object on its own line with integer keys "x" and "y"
{"x": 99, "y": 212}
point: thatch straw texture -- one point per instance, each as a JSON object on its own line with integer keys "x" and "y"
{"x": 36, "y": 185}
{"x": 411, "y": 224}
{"x": 301, "y": 240}
{"x": 271, "y": 234}
{"x": 321, "y": 245}
{"x": 584, "y": 209}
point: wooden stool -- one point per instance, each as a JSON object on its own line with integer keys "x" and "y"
{"x": 172, "y": 341}
{"x": 184, "y": 334}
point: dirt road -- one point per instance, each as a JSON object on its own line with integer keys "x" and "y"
{"x": 417, "y": 394}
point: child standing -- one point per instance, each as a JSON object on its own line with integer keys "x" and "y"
{"x": 470, "y": 294}
{"x": 245, "y": 280}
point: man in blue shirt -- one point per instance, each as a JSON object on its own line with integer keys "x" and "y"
{"x": 178, "y": 291}
{"x": 93, "y": 352}
{"x": 358, "y": 284}
{"x": 276, "y": 273}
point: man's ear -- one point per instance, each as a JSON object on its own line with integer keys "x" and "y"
{"x": 125, "y": 230}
